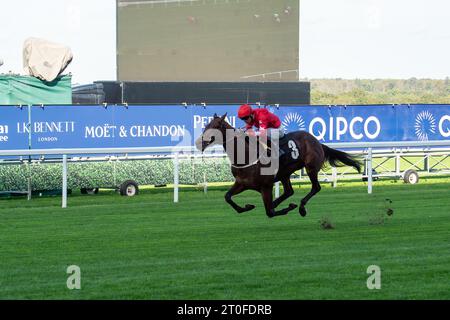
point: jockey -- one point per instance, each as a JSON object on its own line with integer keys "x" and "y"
{"x": 263, "y": 119}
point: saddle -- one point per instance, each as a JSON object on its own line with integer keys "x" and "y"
{"x": 282, "y": 146}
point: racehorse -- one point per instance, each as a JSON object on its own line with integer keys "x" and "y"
{"x": 304, "y": 151}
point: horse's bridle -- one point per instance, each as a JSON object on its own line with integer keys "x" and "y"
{"x": 242, "y": 166}
{"x": 228, "y": 140}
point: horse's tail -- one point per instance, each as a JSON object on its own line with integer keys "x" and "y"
{"x": 339, "y": 158}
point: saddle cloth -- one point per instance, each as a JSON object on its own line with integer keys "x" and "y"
{"x": 287, "y": 147}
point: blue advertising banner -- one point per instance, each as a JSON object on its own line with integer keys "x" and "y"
{"x": 155, "y": 126}
{"x": 177, "y": 125}
{"x": 71, "y": 126}
{"x": 10, "y": 137}
{"x": 341, "y": 124}
{"x": 201, "y": 116}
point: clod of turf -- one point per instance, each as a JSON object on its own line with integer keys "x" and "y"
{"x": 325, "y": 223}
{"x": 389, "y": 210}
{"x": 376, "y": 219}
{"x": 379, "y": 212}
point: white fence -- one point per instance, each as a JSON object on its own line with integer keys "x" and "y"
{"x": 176, "y": 151}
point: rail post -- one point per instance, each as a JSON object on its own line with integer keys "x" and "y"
{"x": 397, "y": 164}
{"x": 426, "y": 162}
{"x": 369, "y": 171}
{"x": 334, "y": 176}
{"x": 175, "y": 178}
{"x": 29, "y": 179}
{"x": 64, "y": 182}
{"x": 205, "y": 183}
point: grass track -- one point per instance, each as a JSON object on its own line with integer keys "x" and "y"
{"x": 146, "y": 247}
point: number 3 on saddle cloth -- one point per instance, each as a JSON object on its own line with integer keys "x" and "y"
{"x": 288, "y": 149}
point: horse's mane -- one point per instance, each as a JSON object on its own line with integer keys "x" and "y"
{"x": 238, "y": 133}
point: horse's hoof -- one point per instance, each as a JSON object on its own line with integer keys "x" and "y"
{"x": 271, "y": 214}
{"x": 302, "y": 211}
{"x": 292, "y": 206}
{"x": 249, "y": 207}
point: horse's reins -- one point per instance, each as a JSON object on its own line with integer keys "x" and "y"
{"x": 247, "y": 165}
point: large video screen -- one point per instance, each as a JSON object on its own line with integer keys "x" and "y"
{"x": 208, "y": 40}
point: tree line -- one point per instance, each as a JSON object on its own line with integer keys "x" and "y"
{"x": 379, "y": 91}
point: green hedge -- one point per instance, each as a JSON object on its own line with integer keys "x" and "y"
{"x": 47, "y": 176}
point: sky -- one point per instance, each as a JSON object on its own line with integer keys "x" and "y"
{"x": 363, "y": 39}
{"x": 87, "y": 26}
{"x": 375, "y": 39}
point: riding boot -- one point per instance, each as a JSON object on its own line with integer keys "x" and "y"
{"x": 280, "y": 150}
{"x": 279, "y": 143}
{"x": 275, "y": 146}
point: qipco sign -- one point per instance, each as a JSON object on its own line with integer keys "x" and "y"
{"x": 337, "y": 128}
{"x": 444, "y": 126}
{"x": 371, "y": 123}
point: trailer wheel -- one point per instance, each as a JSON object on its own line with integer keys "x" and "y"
{"x": 92, "y": 191}
{"x": 411, "y": 176}
{"x": 89, "y": 190}
{"x": 129, "y": 188}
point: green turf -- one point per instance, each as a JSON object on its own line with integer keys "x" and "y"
{"x": 147, "y": 247}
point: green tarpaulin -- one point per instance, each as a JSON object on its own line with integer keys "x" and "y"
{"x": 24, "y": 90}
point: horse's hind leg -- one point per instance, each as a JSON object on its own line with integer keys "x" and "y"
{"x": 315, "y": 188}
{"x": 268, "y": 203}
{"x": 234, "y": 190}
{"x": 287, "y": 191}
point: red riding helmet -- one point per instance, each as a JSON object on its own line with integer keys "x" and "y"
{"x": 245, "y": 111}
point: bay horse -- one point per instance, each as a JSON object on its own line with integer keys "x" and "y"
{"x": 304, "y": 151}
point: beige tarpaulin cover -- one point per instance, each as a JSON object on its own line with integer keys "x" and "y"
{"x": 45, "y": 60}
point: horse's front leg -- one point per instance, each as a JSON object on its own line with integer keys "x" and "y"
{"x": 266, "y": 193}
{"x": 234, "y": 190}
